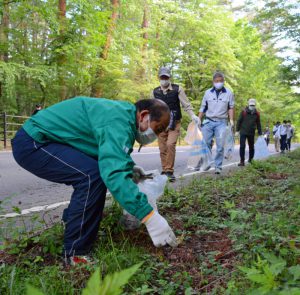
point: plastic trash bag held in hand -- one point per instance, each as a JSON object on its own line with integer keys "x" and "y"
{"x": 261, "y": 149}
{"x": 153, "y": 189}
{"x": 228, "y": 141}
{"x": 199, "y": 155}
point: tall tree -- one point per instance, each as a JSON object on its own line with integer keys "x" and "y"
{"x": 4, "y": 27}
{"x": 62, "y": 7}
{"x": 97, "y": 89}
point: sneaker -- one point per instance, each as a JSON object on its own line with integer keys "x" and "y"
{"x": 218, "y": 170}
{"x": 163, "y": 173}
{"x": 241, "y": 164}
{"x": 79, "y": 260}
{"x": 171, "y": 176}
{"x": 206, "y": 168}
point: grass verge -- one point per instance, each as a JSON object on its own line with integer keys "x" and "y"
{"x": 238, "y": 234}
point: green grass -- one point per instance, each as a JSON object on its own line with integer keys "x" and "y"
{"x": 238, "y": 234}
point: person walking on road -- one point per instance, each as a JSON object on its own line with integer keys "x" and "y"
{"x": 248, "y": 122}
{"x": 217, "y": 105}
{"x": 267, "y": 135}
{"x": 289, "y": 135}
{"x": 86, "y": 142}
{"x": 282, "y": 134}
{"x": 174, "y": 96}
{"x": 276, "y": 137}
{"x": 38, "y": 107}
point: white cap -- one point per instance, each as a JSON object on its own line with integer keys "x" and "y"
{"x": 251, "y": 102}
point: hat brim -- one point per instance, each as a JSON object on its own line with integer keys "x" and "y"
{"x": 164, "y": 74}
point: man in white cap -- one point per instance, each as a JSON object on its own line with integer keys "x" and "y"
{"x": 174, "y": 96}
{"x": 247, "y": 123}
{"x": 217, "y": 106}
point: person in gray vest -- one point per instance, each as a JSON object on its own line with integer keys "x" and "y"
{"x": 174, "y": 96}
{"x": 217, "y": 105}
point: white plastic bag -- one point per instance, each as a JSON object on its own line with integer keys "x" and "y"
{"x": 228, "y": 143}
{"x": 199, "y": 154}
{"x": 261, "y": 149}
{"x": 153, "y": 189}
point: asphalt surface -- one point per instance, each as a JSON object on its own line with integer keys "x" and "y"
{"x": 24, "y": 190}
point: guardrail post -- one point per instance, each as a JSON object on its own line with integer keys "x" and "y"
{"x": 4, "y": 129}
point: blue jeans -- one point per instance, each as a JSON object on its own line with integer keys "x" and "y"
{"x": 216, "y": 129}
{"x": 63, "y": 164}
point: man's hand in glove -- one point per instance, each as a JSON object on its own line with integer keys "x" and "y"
{"x": 196, "y": 119}
{"x": 138, "y": 173}
{"x": 159, "y": 230}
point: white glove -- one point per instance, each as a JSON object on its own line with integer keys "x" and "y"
{"x": 196, "y": 119}
{"x": 160, "y": 231}
{"x": 152, "y": 202}
{"x": 237, "y": 133}
{"x": 138, "y": 173}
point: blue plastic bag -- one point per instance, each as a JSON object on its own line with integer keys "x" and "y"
{"x": 261, "y": 149}
{"x": 199, "y": 153}
{"x": 228, "y": 143}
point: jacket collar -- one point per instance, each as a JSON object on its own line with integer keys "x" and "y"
{"x": 223, "y": 90}
{"x": 166, "y": 89}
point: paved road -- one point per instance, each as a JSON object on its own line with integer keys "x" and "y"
{"x": 20, "y": 188}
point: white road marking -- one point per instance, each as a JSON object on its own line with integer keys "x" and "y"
{"x": 55, "y": 205}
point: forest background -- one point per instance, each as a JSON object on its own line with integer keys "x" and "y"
{"x": 52, "y": 50}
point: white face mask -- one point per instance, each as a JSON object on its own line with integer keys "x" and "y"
{"x": 147, "y": 136}
{"x": 251, "y": 108}
{"x": 219, "y": 85}
{"x": 164, "y": 83}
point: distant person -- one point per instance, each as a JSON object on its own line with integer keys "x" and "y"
{"x": 276, "y": 136}
{"x": 267, "y": 135}
{"x": 86, "y": 143}
{"x": 38, "y": 107}
{"x": 217, "y": 106}
{"x": 174, "y": 96}
{"x": 289, "y": 135}
{"x": 248, "y": 122}
{"x": 282, "y": 134}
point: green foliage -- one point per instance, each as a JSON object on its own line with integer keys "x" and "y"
{"x": 111, "y": 285}
{"x": 194, "y": 38}
{"x": 238, "y": 234}
{"x": 270, "y": 275}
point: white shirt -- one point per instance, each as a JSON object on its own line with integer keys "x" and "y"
{"x": 282, "y": 130}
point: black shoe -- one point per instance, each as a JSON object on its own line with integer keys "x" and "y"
{"x": 171, "y": 176}
{"x": 218, "y": 170}
{"x": 241, "y": 164}
{"x": 250, "y": 161}
{"x": 163, "y": 173}
{"x": 206, "y": 168}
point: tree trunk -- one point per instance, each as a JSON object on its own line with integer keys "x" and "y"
{"x": 4, "y": 26}
{"x": 97, "y": 89}
{"x": 145, "y": 37}
{"x": 62, "y": 57}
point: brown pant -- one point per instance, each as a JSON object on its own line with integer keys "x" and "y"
{"x": 167, "y": 146}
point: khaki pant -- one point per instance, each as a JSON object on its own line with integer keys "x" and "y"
{"x": 277, "y": 143}
{"x": 167, "y": 146}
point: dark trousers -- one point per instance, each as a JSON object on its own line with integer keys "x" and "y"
{"x": 288, "y": 143}
{"x": 63, "y": 164}
{"x": 283, "y": 145}
{"x": 267, "y": 141}
{"x": 250, "y": 139}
